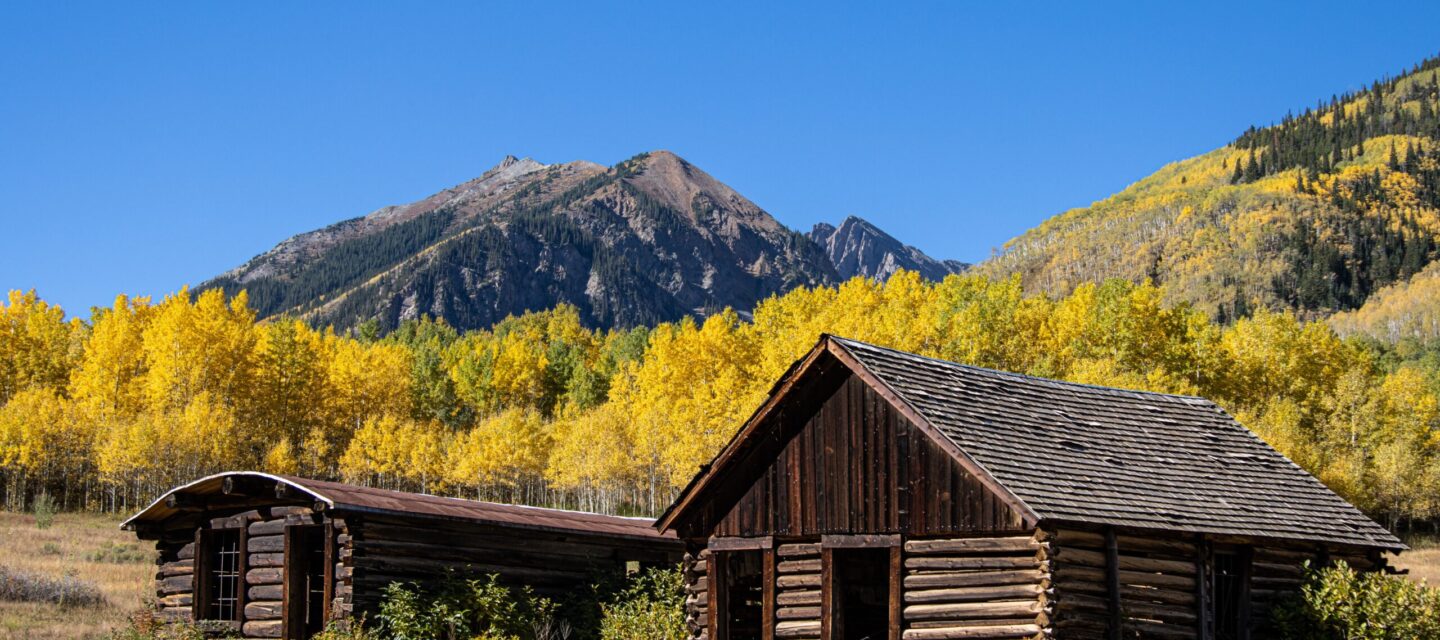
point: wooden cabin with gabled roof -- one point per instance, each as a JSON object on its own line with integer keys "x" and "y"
{"x": 277, "y": 556}
{"x": 881, "y": 495}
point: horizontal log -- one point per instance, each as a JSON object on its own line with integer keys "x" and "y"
{"x": 175, "y": 584}
{"x": 177, "y": 600}
{"x": 267, "y": 560}
{"x": 799, "y": 550}
{"x": 264, "y": 610}
{"x": 798, "y": 566}
{"x": 798, "y": 613}
{"x": 972, "y": 594}
{"x": 957, "y": 633}
{"x": 264, "y": 576}
{"x": 265, "y": 544}
{"x": 267, "y": 527}
{"x": 177, "y": 568}
{"x": 797, "y": 629}
{"x": 971, "y": 610}
{"x": 793, "y": 598}
{"x": 264, "y": 629}
{"x": 973, "y": 563}
{"x": 798, "y": 581}
{"x": 973, "y": 545}
{"x": 266, "y": 592}
{"x": 971, "y": 579}
{"x": 1157, "y": 630}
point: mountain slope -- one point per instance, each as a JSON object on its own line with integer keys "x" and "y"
{"x": 651, "y": 239}
{"x": 858, "y": 248}
{"x": 1312, "y": 214}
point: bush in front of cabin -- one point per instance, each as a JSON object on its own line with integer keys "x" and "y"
{"x": 1339, "y": 603}
{"x": 650, "y": 607}
{"x": 462, "y": 609}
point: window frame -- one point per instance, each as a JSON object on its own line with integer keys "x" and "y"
{"x": 203, "y": 561}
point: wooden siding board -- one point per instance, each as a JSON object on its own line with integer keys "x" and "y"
{"x": 852, "y": 464}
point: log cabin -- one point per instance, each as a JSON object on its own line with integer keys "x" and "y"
{"x": 881, "y": 495}
{"x": 276, "y": 556}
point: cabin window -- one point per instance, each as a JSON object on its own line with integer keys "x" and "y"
{"x": 306, "y": 559}
{"x": 1231, "y": 575}
{"x": 219, "y": 571}
{"x": 741, "y": 591}
{"x": 860, "y": 593}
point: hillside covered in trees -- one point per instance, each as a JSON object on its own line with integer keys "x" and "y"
{"x": 1313, "y": 214}
{"x": 542, "y": 410}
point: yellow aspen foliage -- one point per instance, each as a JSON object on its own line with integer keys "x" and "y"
{"x": 36, "y": 348}
{"x": 504, "y": 450}
{"x": 204, "y": 347}
{"x": 108, "y": 378}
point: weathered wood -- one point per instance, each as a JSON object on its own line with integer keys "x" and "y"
{"x": 972, "y": 545}
{"x": 972, "y": 594}
{"x": 1112, "y": 582}
{"x": 267, "y": 527}
{"x": 264, "y": 610}
{"x": 971, "y": 564}
{"x": 958, "y": 633}
{"x": 264, "y": 629}
{"x": 972, "y": 579}
{"x": 266, "y": 544}
{"x": 964, "y": 610}
{"x": 264, "y": 576}
{"x": 267, "y": 559}
{"x": 266, "y": 592}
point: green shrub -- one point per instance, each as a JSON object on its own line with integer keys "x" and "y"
{"x": 44, "y": 509}
{"x": 1337, "y": 603}
{"x": 116, "y": 553}
{"x": 651, "y": 607}
{"x": 50, "y": 549}
{"x": 462, "y": 609}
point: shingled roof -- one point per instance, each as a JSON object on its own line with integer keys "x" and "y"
{"x": 1062, "y": 452}
{"x": 1087, "y": 454}
{"x": 349, "y": 497}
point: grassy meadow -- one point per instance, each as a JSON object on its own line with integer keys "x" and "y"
{"x": 90, "y": 547}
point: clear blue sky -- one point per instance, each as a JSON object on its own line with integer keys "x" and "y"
{"x": 146, "y": 146}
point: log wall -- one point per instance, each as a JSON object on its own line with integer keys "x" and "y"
{"x": 1163, "y": 583}
{"x": 381, "y": 549}
{"x": 696, "y": 566}
{"x": 797, "y": 591}
{"x": 263, "y": 571}
{"x": 981, "y": 587}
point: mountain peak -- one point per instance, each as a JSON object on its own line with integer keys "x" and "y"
{"x": 858, "y": 248}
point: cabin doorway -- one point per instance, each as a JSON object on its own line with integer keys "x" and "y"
{"x": 305, "y": 593}
{"x": 741, "y": 584}
{"x": 860, "y": 594}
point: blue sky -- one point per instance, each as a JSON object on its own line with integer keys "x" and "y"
{"x": 145, "y": 146}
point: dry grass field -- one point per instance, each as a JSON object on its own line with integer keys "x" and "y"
{"x": 1423, "y": 561}
{"x": 90, "y": 547}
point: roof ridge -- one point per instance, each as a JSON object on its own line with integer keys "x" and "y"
{"x": 1022, "y": 376}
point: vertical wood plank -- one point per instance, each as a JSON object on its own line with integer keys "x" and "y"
{"x": 827, "y": 594}
{"x": 1246, "y": 556}
{"x": 897, "y": 586}
{"x": 199, "y": 600}
{"x": 1112, "y": 583}
{"x": 768, "y": 598}
{"x": 1205, "y": 628}
{"x": 330, "y": 558}
{"x": 242, "y": 565}
{"x": 287, "y": 590}
{"x": 715, "y": 575}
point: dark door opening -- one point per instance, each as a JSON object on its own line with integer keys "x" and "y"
{"x": 1231, "y": 575}
{"x": 743, "y": 594}
{"x": 305, "y": 574}
{"x": 860, "y": 600}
